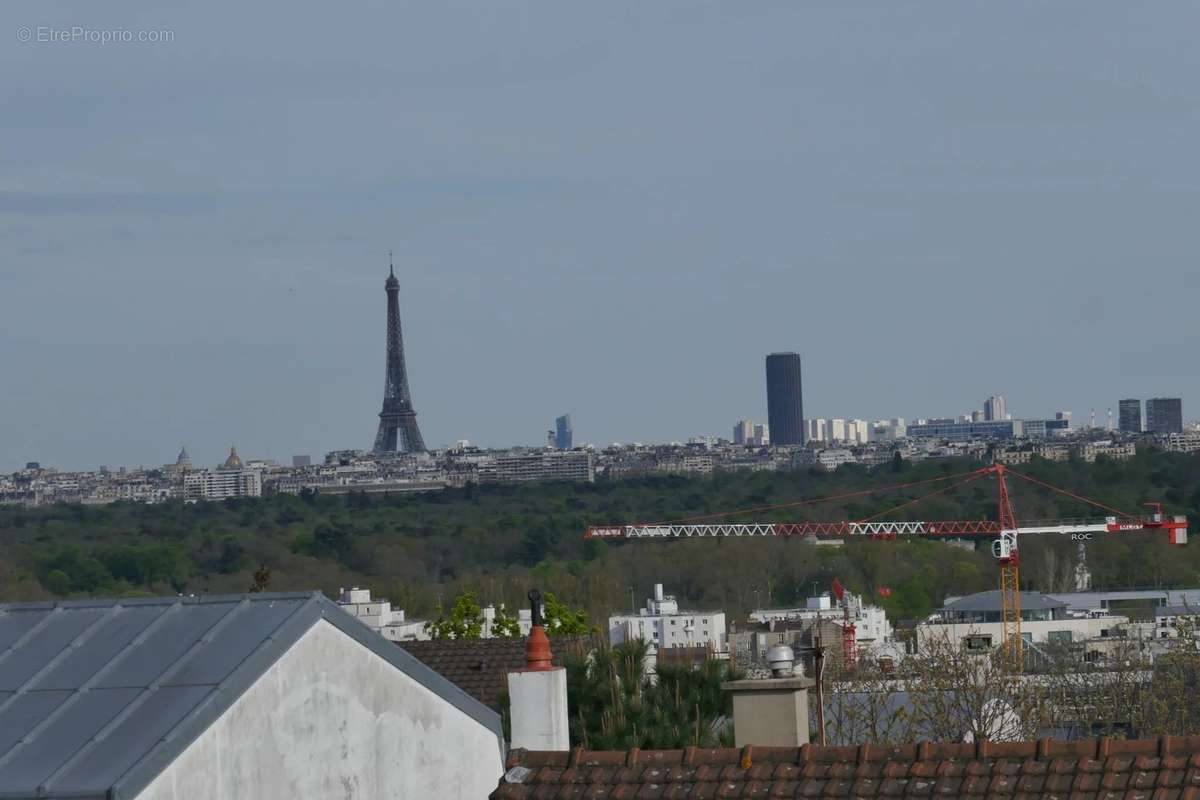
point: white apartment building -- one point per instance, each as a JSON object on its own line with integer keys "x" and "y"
{"x": 858, "y": 431}
{"x": 743, "y": 431}
{"x": 762, "y": 436}
{"x": 888, "y": 430}
{"x": 660, "y": 623}
{"x": 815, "y": 430}
{"x": 871, "y": 625}
{"x": 829, "y": 459}
{"x": 1118, "y": 451}
{"x": 379, "y": 616}
{"x": 543, "y": 465}
{"x": 219, "y": 484}
{"x": 836, "y": 431}
{"x": 1186, "y": 442}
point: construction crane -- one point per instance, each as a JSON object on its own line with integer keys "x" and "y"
{"x": 849, "y": 631}
{"x": 1005, "y": 530}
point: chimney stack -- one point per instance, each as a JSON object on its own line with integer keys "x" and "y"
{"x": 537, "y": 694}
{"x": 658, "y": 593}
{"x": 772, "y": 712}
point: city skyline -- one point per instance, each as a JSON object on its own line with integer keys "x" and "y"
{"x": 1079, "y": 423}
{"x": 563, "y": 234}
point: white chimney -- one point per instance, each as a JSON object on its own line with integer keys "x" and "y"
{"x": 537, "y": 694}
{"x": 658, "y": 593}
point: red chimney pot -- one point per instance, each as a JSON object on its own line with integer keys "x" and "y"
{"x": 537, "y": 650}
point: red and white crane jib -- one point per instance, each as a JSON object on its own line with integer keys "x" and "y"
{"x": 1176, "y": 528}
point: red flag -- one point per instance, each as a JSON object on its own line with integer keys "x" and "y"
{"x": 838, "y": 590}
{"x": 884, "y": 591}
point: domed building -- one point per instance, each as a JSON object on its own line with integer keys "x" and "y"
{"x": 234, "y": 461}
{"x": 182, "y": 465}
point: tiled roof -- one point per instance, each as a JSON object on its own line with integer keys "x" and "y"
{"x": 1167, "y": 768}
{"x": 480, "y": 667}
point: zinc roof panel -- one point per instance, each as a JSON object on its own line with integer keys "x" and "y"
{"x": 146, "y": 661}
{"x": 240, "y": 635}
{"x": 15, "y": 624}
{"x": 34, "y": 760}
{"x": 24, "y": 713}
{"x": 19, "y": 665}
{"x": 120, "y": 628}
{"x": 156, "y": 714}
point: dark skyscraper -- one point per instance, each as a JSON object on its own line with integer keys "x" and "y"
{"x": 564, "y": 437}
{"x": 1164, "y": 415}
{"x": 785, "y": 400}
{"x": 398, "y": 432}
{"x": 1129, "y": 416}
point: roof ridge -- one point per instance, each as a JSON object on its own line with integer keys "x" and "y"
{"x": 190, "y": 599}
{"x": 1045, "y": 749}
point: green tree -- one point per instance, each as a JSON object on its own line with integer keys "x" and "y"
{"x": 505, "y": 625}
{"x": 464, "y": 622}
{"x": 561, "y": 620}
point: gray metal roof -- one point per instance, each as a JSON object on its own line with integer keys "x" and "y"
{"x": 97, "y": 697}
{"x": 990, "y": 601}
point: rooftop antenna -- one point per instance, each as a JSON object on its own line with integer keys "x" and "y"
{"x": 1092, "y": 424}
{"x": 391, "y": 269}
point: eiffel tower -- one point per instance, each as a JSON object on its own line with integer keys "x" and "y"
{"x": 398, "y": 431}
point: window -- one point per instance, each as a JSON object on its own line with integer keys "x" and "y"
{"x": 977, "y": 643}
{"x": 1059, "y": 637}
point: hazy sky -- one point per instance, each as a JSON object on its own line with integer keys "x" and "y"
{"x": 612, "y": 209}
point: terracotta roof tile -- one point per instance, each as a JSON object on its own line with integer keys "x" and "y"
{"x": 1152, "y": 769}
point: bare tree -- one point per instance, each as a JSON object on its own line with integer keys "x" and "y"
{"x": 1171, "y": 706}
{"x": 958, "y": 695}
{"x": 866, "y": 705}
{"x": 1105, "y": 696}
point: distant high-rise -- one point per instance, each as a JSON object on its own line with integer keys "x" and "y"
{"x": 743, "y": 431}
{"x": 398, "y": 432}
{"x": 1164, "y": 415}
{"x": 993, "y": 408}
{"x": 761, "y": 436}
{"x": 785, "y": 402}
{"x": 1129, "y": 415}
{"x": 564, "y": 436}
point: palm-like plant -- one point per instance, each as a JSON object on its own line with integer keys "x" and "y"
{"x": 615, "y": 706}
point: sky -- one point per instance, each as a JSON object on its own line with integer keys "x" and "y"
{"x": 613, "y": 210}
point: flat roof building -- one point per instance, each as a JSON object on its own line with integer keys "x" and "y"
{"x": 1129, "y": 415}
{"x": 1164, "y": 415}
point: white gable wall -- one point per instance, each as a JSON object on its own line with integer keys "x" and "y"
{"x": 331, "y": 719}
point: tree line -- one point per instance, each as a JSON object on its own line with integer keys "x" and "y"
{"x": 423, "y": 550}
